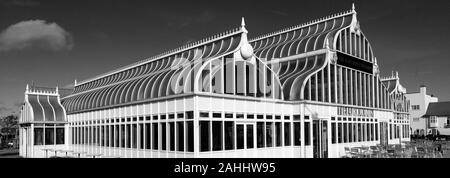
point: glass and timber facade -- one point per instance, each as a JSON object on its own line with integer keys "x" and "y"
{"x": 305, "y": 91}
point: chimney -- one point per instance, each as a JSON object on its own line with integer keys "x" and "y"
{"x": 423, "y": 89}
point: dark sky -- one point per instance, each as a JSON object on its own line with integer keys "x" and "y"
{"x": 411, "y": 37}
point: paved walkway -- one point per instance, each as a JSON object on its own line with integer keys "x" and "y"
{"x": 9, "y": 153}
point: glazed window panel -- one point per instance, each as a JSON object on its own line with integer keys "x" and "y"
{"x": 353, "y": 43}
{"x": 180, "y": 136}
{"x": 313, "y": 87}
{"x": 347, "y": 41}
{"x": 38, "y": 136}
{"x": 172, "y": 136}
{"x": 269, "y": 134}
{"x": 349, "y": 86}
{"x": 333, "y": 132}
{"x": 96, "y": 135}
{"x": 345, "y": 133}
{"x": 190, "y": 136}
{"x": 49, "y": 136}
{"x": 148, "y": 136}
{"x": 155, "y": 136}
{"x": 163, "y": 132}
{"x": 73, "y": 130}
{"x": 116, "y": 136}
{"x": 355, "y": 88}
{"x": 372, "y": 132}
{"x": 362, "y": 85}
{"x": 350, "y": 132}
{"x": 141, "y": 131}
{"x": 239, "y": 136}
{"x": 278, "y": 134}
{"x": 260, "y": 134}
{"x": 320, "y": 91}
{"x": 217, "y": 135}
{"x": 107, "y": 135}
{"x": 307, "y": 133}
{"x": 359, "y": 132}
{"x": 357, "y": 46}
{"x": 326, "y": 84}
{"x": 366, "y": 132}
{"x": 339, "y": 129}
{"x": 229, "y": 135}
{"x": 250, "y": 137}
{"x": 344, "y": 85}
{"x": 333, "y": 84}
{"x": 204, "y": 136}
{"x": 122, "y": 136}
{"x": 287, "y": 134}
{"x": 128, "y": 136}
{"x": 133, "y": 136}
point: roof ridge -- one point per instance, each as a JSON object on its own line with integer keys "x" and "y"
{"x": 185, "y": 47}
{"x": 299, "y": 26}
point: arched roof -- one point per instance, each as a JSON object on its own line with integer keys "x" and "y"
{"x": 291, "y": 56}
{"x": 158, "y": 77}
{"x": 302, "y": 38}
{"x": 44, "y": 105}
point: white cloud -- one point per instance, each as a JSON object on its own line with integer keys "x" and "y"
{"x": 35, "y": 33}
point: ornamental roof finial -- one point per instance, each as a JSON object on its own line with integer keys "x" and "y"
{"x": 243, "y": 25}
{"x": 27, "y": 88}
{"x": 353, "y": 7}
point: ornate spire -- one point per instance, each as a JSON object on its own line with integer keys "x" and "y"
{"x": 27, "y": 88}
{"x": 353, "y": 7}
{"x": 243, "y": 25}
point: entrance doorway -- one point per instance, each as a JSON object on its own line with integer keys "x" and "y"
{"x": 384, "y": 133}
{"x": 320, "y": 138}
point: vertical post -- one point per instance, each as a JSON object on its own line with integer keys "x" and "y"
{"x": 196, "y": 129}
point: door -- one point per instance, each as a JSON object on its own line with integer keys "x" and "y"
{"x": 320, "y": 138}
{"x": 384, "y": 133}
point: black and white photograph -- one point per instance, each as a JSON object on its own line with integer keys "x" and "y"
{"x": 244, "y": 80}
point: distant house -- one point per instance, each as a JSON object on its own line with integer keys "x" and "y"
{"x": 438, "y": 118}
{"x": 419, "y": 102}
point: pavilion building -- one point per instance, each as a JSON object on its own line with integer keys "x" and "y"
{"x": 307, "y": 91}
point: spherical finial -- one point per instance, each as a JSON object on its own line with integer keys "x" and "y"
{"x": 246, "y": 51}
